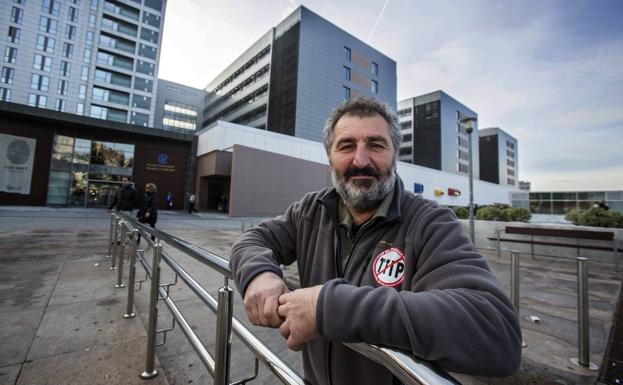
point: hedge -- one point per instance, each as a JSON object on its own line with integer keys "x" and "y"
{"x": 596, "y": 217}
{"x": 496, "y": 213}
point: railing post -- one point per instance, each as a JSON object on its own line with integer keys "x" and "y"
{"x": 223, "y": 335}
{"x": 110, "y": 235}
{"x": 131, "y": 275}
{"x": 150, "y": 370}
{"x": 121, "y": 255}
{"x": 515, "y": 279}
{"x": 498, "y": 242}
{"x": 583, "y": 317}
{"x": 113, "y": 265}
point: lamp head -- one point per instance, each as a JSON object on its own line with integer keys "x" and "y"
{"x": 469, "y": 123}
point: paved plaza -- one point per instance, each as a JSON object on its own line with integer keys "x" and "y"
{"x": 62, "y": 317}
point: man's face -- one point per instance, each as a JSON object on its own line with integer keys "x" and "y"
{"x": 363, "y": 161}
{"x": 124, "y": 182}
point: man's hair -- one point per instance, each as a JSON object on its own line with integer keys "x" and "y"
{"x": 362, "y": 107}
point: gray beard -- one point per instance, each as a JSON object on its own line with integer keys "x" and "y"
{"x": 364, "y": 198}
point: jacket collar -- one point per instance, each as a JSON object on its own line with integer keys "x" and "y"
{"x": 329, "y": 198}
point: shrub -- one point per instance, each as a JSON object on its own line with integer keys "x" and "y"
{"x": 520, "y": 214}
{"x": 489, "y": 213}
{"x": 461, "y": 212}
{"x": 596, "y": 217}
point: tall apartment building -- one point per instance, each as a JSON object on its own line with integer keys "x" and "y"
{"x": 498, "y": 157}
{"x": 97, "y": 58}
{"x": 293, "y": 76}
{"x": 178, "y": 107}
{"x": 433, "y": 135}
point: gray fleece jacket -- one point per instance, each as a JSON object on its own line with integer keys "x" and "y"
{"x": 413, "y": 282}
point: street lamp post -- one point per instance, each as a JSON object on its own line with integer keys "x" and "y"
{"x": 469, "y": 128}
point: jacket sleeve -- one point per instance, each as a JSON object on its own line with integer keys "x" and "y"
{"x": 455, "y": 314}
{"x": 265, "y": 247}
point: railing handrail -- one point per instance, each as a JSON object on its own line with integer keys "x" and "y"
{"x": 409, "y": 369}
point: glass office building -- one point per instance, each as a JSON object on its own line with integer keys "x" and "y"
{"x": 562, "y": 202}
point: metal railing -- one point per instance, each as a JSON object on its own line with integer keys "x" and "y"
{"x": 408, "y": 369}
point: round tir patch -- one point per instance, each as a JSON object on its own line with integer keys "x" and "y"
{"x": 389, "y": 267}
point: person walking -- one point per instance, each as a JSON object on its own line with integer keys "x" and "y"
{"x": 149, "y": 212}
{"x": 125, "y": 198}
{"x": 191, "y": 203}
{"x": 169, "y": 201}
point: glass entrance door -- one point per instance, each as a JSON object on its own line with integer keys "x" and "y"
{"x": 101, "y": 194}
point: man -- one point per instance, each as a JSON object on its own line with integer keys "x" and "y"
{"x": 377, "y": 264}
{"x": 125, "y": 198}
{"x": 191, "y": 203}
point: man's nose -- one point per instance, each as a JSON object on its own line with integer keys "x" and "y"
{"x": 362, "y": 158}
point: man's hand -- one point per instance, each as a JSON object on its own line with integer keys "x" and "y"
{"x": 261, "y": 299}
{"x": 299, "y": 310}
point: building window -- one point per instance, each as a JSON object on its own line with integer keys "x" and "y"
{"x": 86, "y": 58}
{"x": 345, "y": 93}
{"x": 407, "y": 137}
{"x": 17, "y": 15}
{"x": 463, "y": 168}
{"x": 94, "y": 5}
{"x": 65, "y": 68}
{"x": 463, "y": 155}
{"x": 375, "y": 68}
{"x": 510, "y": 181}
{"x": 35, "y": 100}
{"x": 45, "y": 43}
{"x": 347, "y": 54}
{"x": 375, "y": 87}
{"x": 68, "y": 50}
{"x": 20, "y": 1}
{"x": 13, "y": 35}
{"x": 80, "y": 108}
{"x": 61, "y": 88}
{"x": 405, "y": 125}
{"x": 7, "y": 75}
{"x": 510, "y": 145}
{"x": 89, "y": 40}
{"x": 53, "y": 7}
{"x": 42, "y": 63}
{"x": 510, "y": 163}
{"x": 10, "y": 55}
{"x": 73, "y": 14}
{"x": 92, "y": 19}
{"x": 510, "y": 153}
{"x": 47, "y": 25}
{"x": 84, "y": 75}
{"x": 463, "y": 142}
{"x": 346, "y": 73}
{"x": 70, "y": 32}
{"x": 82, "y": 91}
{"x": 40, "y": 82}
{"x": 5, "y": 94}
{"x": 60, "y": 105}
{"x": 404, "y": 112}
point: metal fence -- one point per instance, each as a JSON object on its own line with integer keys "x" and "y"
{"x": 124, "y": 232}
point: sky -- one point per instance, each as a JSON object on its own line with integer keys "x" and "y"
{"x": 550, "y": 73}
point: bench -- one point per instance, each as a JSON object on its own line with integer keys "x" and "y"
{"x": 578, "y": 235}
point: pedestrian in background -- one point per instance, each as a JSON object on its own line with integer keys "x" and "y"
{"x": 149, "y": 212}
{"x": 191, "y": 203}
{"x": 169, "y": 201}
{"x": 125, "y": 198}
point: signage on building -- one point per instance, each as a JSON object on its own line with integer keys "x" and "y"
{"x": 161, "y": 164}
{"x": 17, "y": 155}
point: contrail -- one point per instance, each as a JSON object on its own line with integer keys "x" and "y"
{"x": 377, "y": 21}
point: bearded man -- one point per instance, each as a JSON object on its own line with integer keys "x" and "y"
{"x": 377, "y": 264}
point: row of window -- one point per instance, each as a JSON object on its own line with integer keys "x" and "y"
{"x": 260, "y": 74}
{"x": 180, "y": 108}
{"x": 348, "y": 57}
{"x": 242, "y": 69}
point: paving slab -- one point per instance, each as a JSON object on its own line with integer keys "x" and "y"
{"x": 17, "y": 333}
{"x": 81, "y": 325}
{"x": 111, "y": 364}
{"x": 8, "y": 374}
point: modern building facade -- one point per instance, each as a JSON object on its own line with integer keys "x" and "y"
{"x": 260, "y": 173}
{"x": 293, "y": 76}
{"x": 433, "y": 135}
{"x": 60, "y": 159}
{"x": 178, "y": 107}
{"x": 498, "y": 156}
{"x": 97, "y": 58}
{"x": 561, "y": 202}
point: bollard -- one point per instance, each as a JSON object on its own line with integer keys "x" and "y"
{"x": 515, "y": 279}
{"x": 121, "y": 255}
{"x": 110, "y": 235}
{"x": 222, "y": 348}
{"x": 497, "y": 231}
{"x": 115, "y": 243}
{"x": 131, "y": 275}
{"x": 150, "y": 370}
{"x": 583, "y": 318}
